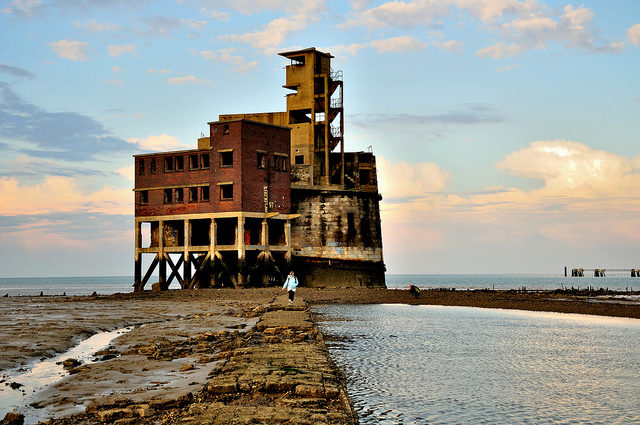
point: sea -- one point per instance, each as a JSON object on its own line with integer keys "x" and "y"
{"x": 105, "y": 285}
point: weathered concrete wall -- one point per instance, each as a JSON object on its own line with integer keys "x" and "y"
{"x": 337, "y": 240}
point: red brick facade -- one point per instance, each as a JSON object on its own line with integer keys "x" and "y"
{"x": 246, "y": 168}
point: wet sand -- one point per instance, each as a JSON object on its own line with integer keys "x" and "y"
{"x": 165, "y": 369}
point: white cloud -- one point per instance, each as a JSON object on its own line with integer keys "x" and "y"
{"x": 192, "y": 23}
{"x": 239, "y": 63}
{"x": 117, "y": 70}
{"x": 491, "y": 10}
{"x": 187, "y": 79}
{"x": 118, "y": 50}
{"x": 398, "y": 44}
{"x": 633, "y": 34}
{"x": 23, "y": 7}
{"x": 401, "y": 179}
{"x": 155, "y": 143}
{"x": 217, "y": 15}
{"x": 507, "y": 68}
{"x": 159, "y": 71}
{"x": 95, "y": 26}
{"x": 61, "y": 194}
{"x": 299, "y": 15}
{"x": 71, "y": 49}
{"x": 397, "y": 14}
{"x": 451, "y": 45}
{"x": 500, "y": 50}
{"x": 127, "y": 172}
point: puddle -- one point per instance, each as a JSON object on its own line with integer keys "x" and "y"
{"x": 45, "y": 373}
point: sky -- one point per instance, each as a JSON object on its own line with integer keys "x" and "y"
{"x": 505, "y": 131}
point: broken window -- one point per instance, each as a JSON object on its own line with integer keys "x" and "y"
{"x": 152, "y": 166}
{"x": 193, "y": 194}
{"x": 365, "y": 177}
{"x": 168, "y": 164}
{"x": 204, "y": 194}
{"x": 226, "y": 158}
{"x": 144, "y": 197}
{"x": 299, "y": 116}
{"x": 262, "y": 160}
{"x": 204, "y": 160}
{"x": 179, "y": 195}
{"x": 193, "y": 162}
{"x": 299, "y": 159}
{"x": 225, "y": 129}
{"x": 280, "y": 162}
{"x": 141, "y": 167}
{"x": 179, "y": 163}
{"x": 226, "y": 192}
{"x": 319, "y": 117}
{"x": 168, "y": 196}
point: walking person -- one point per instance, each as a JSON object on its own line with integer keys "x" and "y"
{"x": 291, "y": 284}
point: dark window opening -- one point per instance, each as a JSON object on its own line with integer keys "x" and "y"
{"x": 179, "y": 195}
{"x": 204, "y": 194}
{"x": 365, "y": 177}
{"x": 299, "y": 159}
{"x": 193, "y": 194}
{"x": 144, "y": 197}
{"x": 226, "y": 159}
{"x": 179, "y": 163}
{"x": 168, "y": 195}
{"x": 226, "y": 192}
{"x": 152, "y": 166}
{"x": 225, "y": 129}
{"x": 276, "y": 232}
{"x": 141, "y": 167}
{"x": 253, "y": 231}
{"x": 193, "y": 162}
{"x": 226, "y": 231}
{"x": 200, "y": 232}
{"x": 262, "y": 160}
{"x": 280, "y": 163}
{"x": 168, "y": 165}
{"x": 351, "y": 227}
{"x": 299, "y": 116}
{"x": 204, "y": 160}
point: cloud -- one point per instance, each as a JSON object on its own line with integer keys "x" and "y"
{"x": 239, "y": 63}
{"x": 403, "y": 181}
{"x": 187, "y": 79}
{"x": 71, "y": 49}
{"x": 62, "y": 135}
{"x": 470, "y": 114}
{"x": 218, "y": 16}
{"x": 61, "y": 194}
{"x": 26, "y": 167}
{"x": 95, "y": 26}
{"x": 398, "y": 44}
{"x": 299, "y": 15}
{"x": 633, "y": 34}
{"x": 154, "y": 143}
{"x": 500, "y": 50}
{"x": 117, "y": 50}
{"x": 164, "y": 26}
{"x": 397, "y": 14}
{"x": 23, "y": 7}
{"x": 453, "y": 46}
{"x": 507, "y": 68}
{"x": 117, "y": 70}
{"x": 159, "y": 71}
{"x": 14, "y": 71}
{"x": 127, "y": 172}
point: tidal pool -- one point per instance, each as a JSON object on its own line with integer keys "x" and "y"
{"x": 452, "y": 365}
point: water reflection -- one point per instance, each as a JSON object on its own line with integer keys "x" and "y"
{"x": 449, "y": 365}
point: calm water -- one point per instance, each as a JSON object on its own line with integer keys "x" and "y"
{"x": 113, "y": 284}
{"x": 454, "y": 365}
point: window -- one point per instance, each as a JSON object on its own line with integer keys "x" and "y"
{"x": 226, "y": 192}
{"x": 193, "y": 162}
{"x": 168, "y": 195}
{"x": 204, "y": 160}
{"x": 141, "y": 167}
{"x": 144, "y": 197}
{"x": 179, "y": 195}
{"x": 168, "y": 164}
{"x": 204, "y": 194}
{"x": 225, "y": 129}
{"x": 280, "y": 162}
{"x": 299, "y": 159}
{"x": 179, "y": 163}
{"x": 262, "y": 160}
{"x": 193, "y": 194}
{"x": 152, "y": 166}
{"x": 226, "y": 158}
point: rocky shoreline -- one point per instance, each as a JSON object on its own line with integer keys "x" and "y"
{"x": 220, "y": 356}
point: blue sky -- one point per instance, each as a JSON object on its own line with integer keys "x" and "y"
{"x": 506, "y": 131}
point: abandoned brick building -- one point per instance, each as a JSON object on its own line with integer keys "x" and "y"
{"x": 263, "y": 194}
